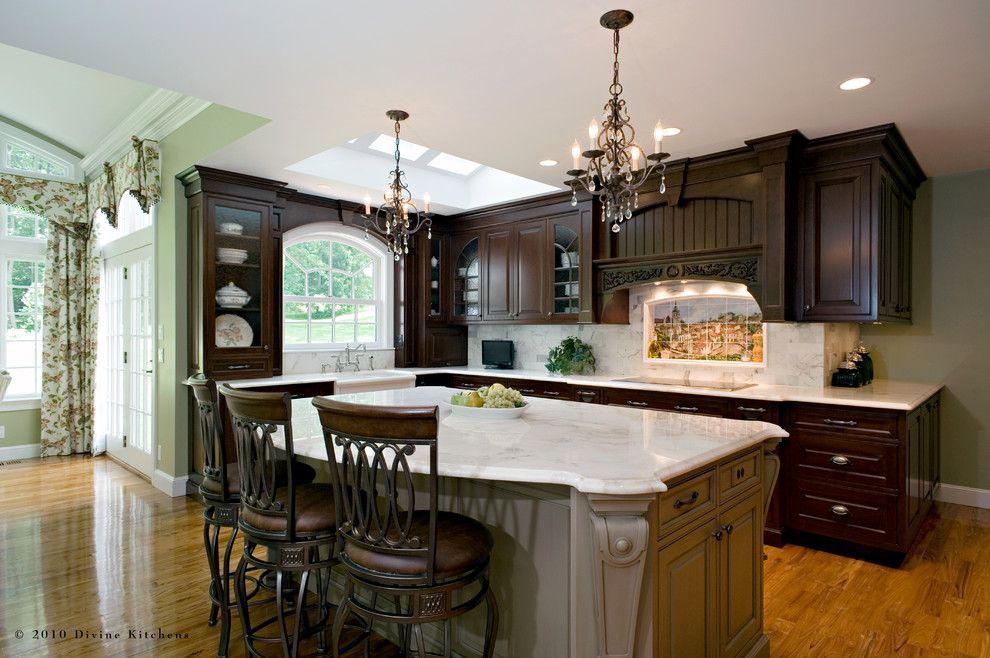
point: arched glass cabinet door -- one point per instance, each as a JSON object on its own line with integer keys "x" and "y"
{"x": 467, "y": 279}
{"x": 566, "y": 269}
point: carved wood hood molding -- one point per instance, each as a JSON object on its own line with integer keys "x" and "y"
{"x": 742, "y": 268}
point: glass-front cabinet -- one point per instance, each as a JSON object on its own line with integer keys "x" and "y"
{"x": 435, "y": 269}
{"x": 466, "y": 250}
{"x": 236, "y": 251}
{"x": 565, "y": 234}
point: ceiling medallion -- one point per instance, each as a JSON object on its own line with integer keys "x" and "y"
{"x": 397, "y": 218}
{"x": 616, "y": 167}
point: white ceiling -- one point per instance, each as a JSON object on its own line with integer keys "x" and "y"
{"x": 512, "y": 82}
{"x": 70, "y": 104}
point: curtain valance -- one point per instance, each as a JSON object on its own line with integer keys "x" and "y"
{"x": 63, "y": 204}
{"x": 138, "y": 172}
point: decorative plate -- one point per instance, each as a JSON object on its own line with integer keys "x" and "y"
{"x": 482, "y": 413}
{"x": 233, "y": 331}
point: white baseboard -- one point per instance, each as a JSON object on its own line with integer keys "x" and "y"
{"x": 25, "y": 451}
{"x": 960, "y": 495}
{"x": 173, "y": 486}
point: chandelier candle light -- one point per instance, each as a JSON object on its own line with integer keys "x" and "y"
{"x": 397, "y": 217}
{"x": 617, "y": 167}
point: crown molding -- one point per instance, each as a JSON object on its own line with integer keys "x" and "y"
{"x": 156, "y": 117}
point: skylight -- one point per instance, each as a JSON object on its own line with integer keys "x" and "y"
{"x": 453, "y": 164}
{"x": 386, "y": 144}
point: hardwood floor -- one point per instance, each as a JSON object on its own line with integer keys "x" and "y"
{"x": 88, "y": 546}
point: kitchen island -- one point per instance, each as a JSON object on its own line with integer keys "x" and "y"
{"x": 583, "y": 502}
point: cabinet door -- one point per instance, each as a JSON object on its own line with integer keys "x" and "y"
{"x": 837, "y": 245}
{"x": 498, "y": 276}
{"x": 740, "y": 575}
{"x": 566, "y": 288}
{"x": 238, "y": 254}
{"x": 466, "y": 277}
{"x": 530, "y": 276}
{"x": 686, "y": 596}
{"x": 445, "y": 346}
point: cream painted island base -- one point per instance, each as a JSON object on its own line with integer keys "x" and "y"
{"x": 618, "y": 532}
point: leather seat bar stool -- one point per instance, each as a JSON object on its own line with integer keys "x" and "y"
{"x": 288, "y": 528}
{"x": 432, "y": 566}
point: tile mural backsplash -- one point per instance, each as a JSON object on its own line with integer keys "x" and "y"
{"x": 797, "y": 354}
{"x": 706, "y": 328}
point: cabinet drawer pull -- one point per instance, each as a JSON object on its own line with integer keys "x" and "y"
{"x": 636, "y": 404}
{"x": 846, "y": 423}
{"x": 242, "y": 366}
{"x": 691, "y": 500}
{"x": 839, "y": 460}
{"x": 741, "y": 472}
{"x": 553, "y": 393}
{"x": 678, "y": 407}
{"x": 839, "y": 510}
{"x": 527, "y": 390}
{"x": 752, "y": 410}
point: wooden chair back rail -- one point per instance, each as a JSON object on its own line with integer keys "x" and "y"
{"x": 211, "y": 415}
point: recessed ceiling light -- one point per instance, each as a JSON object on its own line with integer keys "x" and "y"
{"x": 855, "y": 83}
{"x": 324, "y": 186}
{"x": 548, "y": 163}
{"x": 670, "y": 131}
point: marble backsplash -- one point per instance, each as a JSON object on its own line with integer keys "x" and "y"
{"x": 301, "y": 362}
{"x": 797, "y": 354}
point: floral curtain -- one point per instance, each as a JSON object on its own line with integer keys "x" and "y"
{"x": 139, "y": 173}
{"x": 72, "y": 277}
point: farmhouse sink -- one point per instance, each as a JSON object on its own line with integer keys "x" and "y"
{"x": 372, "y": 380}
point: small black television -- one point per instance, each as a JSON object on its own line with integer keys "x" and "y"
{"x": 496, "y": 353}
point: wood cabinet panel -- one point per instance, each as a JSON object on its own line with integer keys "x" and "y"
{"x": 850, "y": 421}
{"x": 445, "y": 346}
{"x": 842, "y": 459}
{"x": 740, "y": 581}
{"x": 531, "y": 277}
{"x": 861, "y": 516}
{"x": 498, "y": 276}
{"x": 686, "y": 501}
{"x": 740, "y": 474}
{"x": 687, "y": 570}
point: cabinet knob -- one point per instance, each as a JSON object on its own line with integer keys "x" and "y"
{"x": 839, "y": 510}
{"x": 728, "y": 527}
{"x": 807, "y": 307}
{"x": 265, "y": 348}
{"x": 717, "y": 535}
{"x": 839, "y": 460}
{"x": 549, "y": 314}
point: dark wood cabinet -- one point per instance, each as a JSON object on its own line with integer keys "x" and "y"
{"x": 855, "y": 196}
{"x": 445, "y": 346}
{"x": 863, "y": 476}
{"x": 498, "y": 276}
{"x": 465, "y": 276}
{"x": 531, "y": 271}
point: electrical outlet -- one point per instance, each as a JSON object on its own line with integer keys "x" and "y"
{"x": 3, "y": 431}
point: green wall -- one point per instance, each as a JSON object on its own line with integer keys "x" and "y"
{"x": 206, "y": 133}
{"x": 949, "y": 340}
{"x": 20, "y": 427}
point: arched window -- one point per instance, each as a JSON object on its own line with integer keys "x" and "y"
{"x": 336, "y": 289}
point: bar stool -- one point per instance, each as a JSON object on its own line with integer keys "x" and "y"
{"x": 289, "y": 528}
{"x": 418, "y": 557}
{"x": 220, "y": 490}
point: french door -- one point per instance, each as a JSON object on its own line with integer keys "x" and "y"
{"x": 128, "y": 287}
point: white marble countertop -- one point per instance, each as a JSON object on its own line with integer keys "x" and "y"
{"x": 604, "y": 450}
{"x": 880, "y": 394}
{"x": 314, "y": 377}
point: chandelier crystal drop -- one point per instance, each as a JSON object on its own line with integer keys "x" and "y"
{"x": 616, "y": 166}
{"x": 397, "y": 218}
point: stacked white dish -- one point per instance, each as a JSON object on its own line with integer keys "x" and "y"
{"x": 231, "y": 228}
{"x": 231, "y": 296}
{"x": 231, "y": 256}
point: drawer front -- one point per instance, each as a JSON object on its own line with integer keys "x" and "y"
{"x": 633, "y": 398}
{"x": 691, "y": 404}
{"x": 841, "y": 459}
{"x": 240, "y": 367}
{"x": 552, "y": 390}
{"x": 768, "y": 412}
{"x": 686, "y": 501}
{"x": 862, "y": 517}
{"x": 587, "y": 395}
{"x": 466, "y": 382}
{"x": 739, "y": 475}
{"x": 850, "y": 420}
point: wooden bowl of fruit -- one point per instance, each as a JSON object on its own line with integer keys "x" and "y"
{"x": 495, "y": 402}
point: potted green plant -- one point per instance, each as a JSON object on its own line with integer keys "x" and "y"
{"x": 572, "y": 357}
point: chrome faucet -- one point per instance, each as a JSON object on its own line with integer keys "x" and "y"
{"x": 356, "y": 363}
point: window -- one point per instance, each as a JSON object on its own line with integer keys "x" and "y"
{"x": 29, "y": 162}
{"x": 130, "y": 219}
{"x": 334, "y": 289}
{"x": 22, "y": 284}
{"x": 25, "y": 154}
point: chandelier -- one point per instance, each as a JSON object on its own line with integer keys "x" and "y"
{"x": 397, "y": 218}
{"x": 616, "y": 167}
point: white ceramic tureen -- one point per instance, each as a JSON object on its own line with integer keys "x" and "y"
{"x": 230, "y": 296}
